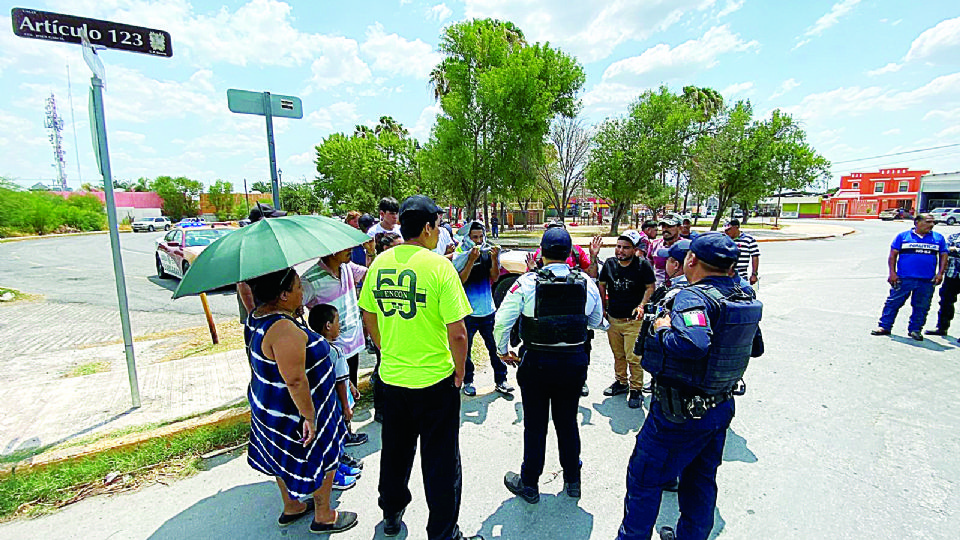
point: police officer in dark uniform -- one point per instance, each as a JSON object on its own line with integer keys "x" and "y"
{"x": 555, "y": 305}
{"x": 697, "y": 351}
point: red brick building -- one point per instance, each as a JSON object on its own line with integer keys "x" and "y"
{"x": 866, "y": 194}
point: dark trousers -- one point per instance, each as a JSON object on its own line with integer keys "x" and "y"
{"x": 431, "y": 415}
{"x": 920, "y": 293}
{"x": 354, "y": 364}
{"x": 551, "y": 383}
{"x": 948, "y": 297}
{"x": 692, "y": 450}
{"x": 377, "y": 385}
{"x": 483, "y": 325}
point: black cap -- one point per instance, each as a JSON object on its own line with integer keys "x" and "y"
{"x": 365, "y": 222}
{"x": 556, "y": 243}
{"x": 715, "y": 249}
{"x": 733, "y": 223}
{"x": 264, "y": 210}
{"x": 419, "y": 203}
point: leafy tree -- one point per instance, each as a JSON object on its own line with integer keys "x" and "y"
{"x": 356, "y": 171}
{"x": 498, "y": 95}
{"x": 221, "y": 198}
{"x": 180, "y": 196}
{"x": 262, "y": 187}
{"x": 747, "y": 160}
{"x": 561, "y": 173}
{"x": 301, "y": 199}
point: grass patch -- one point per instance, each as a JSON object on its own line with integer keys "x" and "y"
{"x": 17, "y": 295}
{"x": 197, "y": 341}
{"x": 33, "y": 493}
{"x": 88, "y": 368}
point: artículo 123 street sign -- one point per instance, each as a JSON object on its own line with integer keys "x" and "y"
{"x": 32, "y": 23}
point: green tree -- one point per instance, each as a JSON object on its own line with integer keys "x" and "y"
{"x": 262, "y": 187}
{"x": 181, "y": 196}
{"x": 746, "y": 160}
{"x": 356, "y": 171}
{"x": 498, "y": 95}
{"x": 220, "y": 195}
{"x": 301, "y": 199}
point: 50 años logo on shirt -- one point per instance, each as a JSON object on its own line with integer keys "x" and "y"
{"x": 400, "y": 295}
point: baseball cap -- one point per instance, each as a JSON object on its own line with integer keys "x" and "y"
{"x": 264, "y": 210}
{"x": 670, "y": 220}
{"x": 678, "y": 251}
{"x": 419, "y": 203}
{"x": 634, "y": 237}
{"x": 715, "y": 249}
{"x": 556, "y": 243}
{"x": 732, "y": 223}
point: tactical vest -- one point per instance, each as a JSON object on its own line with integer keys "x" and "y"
{"x": 559, "y": 323}
{"x": 735, "y": 321}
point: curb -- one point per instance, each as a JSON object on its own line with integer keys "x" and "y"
{"x": 223, "y": 418}
{"x": 64, "y": 235}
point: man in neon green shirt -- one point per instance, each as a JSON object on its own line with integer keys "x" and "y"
{"x": 413, "y": 305}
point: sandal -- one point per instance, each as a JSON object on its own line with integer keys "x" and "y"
{"x": 287, "y": 519}
{"x": 345, "y": 521}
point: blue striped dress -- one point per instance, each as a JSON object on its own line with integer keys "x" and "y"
{"x": 275, "y": 422}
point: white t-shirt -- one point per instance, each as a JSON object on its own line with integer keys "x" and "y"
{"x": 443, "y": 241}
{"x": 378, "y": 228}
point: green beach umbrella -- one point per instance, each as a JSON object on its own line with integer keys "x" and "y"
{"x": 266, "y": 246}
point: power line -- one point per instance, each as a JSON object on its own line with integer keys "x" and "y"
{"x": 897, "y": 153}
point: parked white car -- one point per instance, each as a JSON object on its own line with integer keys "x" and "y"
{"x": 152, "y": 224}
{"x": 950, "y": 216}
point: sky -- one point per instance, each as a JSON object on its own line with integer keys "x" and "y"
{"x": 864, "y": 77}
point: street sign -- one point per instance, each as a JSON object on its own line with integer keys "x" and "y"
{"x": 267, "y": 105}
{"x": 36, "y": 24}
{"x": 246, "y": 102}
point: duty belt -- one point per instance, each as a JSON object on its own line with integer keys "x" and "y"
{"x": 679, "y": 406}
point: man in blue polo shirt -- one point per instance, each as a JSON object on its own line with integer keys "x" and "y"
{"x": 917, "y": 261}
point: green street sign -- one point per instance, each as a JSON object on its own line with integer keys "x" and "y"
{"x": 246, "y": 102}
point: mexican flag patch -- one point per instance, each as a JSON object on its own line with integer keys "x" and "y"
{"x": 694, "y": 318}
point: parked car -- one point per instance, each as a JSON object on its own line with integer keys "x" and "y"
{"x": 895, "y": 213}
{"x": 177, "y": 250}
{"x": 950, "y": 216}
{"x": 151, "y": 224}
{"x": 192, "y": 222}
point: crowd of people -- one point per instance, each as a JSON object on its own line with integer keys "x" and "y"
{"x": 417, "y": 298}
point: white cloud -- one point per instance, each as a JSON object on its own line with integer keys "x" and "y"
{"x": 439, "y": 13}
{"x": 396, "y": 55}
{"x": 828, "y": 20}
{"x": 951, "y": 131}
{"x": 743, "y": 88}
{"x": 306, "y": 158}
{"x": 730, "y": 7}
{"x": 950, "y": 116}
{"x": 854, "y": 100}
{"x": 894, "y": 131}
{"x": 339, "y": 64}
{"x": 940, "y": 42}
{"x": 892, "y": 67}
{"x": 693, "y": 54}
{"x": 785, "y": 87}
{"x": 340, "y": 116}
{"x": 589, "y": 29}
{"x": 421, "y": 130}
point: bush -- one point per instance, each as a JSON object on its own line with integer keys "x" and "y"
{"x": 26, "y": 212}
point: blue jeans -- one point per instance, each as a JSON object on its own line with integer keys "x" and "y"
{"x": 692, "y": 450}
{"x": 920, "y": 292}
{"x": 483, "y": 325}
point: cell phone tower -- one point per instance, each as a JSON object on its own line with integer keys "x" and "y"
{"x": 54, "y": 123}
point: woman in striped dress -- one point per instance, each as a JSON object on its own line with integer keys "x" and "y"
{"x": 296, "y": 428}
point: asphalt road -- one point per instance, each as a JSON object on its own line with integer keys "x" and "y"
{"x": 80, "y": 269}
{"x": 840, "y": 435}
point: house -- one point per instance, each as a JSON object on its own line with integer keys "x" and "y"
{"x": 939, "y": 191}
{"x": 866, "y": 194}
{"x": 792, "y": 205}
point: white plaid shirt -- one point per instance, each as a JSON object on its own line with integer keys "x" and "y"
{"x": 953, "y": 256}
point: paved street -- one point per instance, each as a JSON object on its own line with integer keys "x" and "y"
{"x": 841, "y": 434}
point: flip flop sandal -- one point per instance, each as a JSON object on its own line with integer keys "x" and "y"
{"x": 287, "y": 519}
{"x": 345, "y": 521}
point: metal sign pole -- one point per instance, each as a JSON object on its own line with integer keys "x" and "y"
{"x": 273, "y": 153}
{"x": 104, "y": 158}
